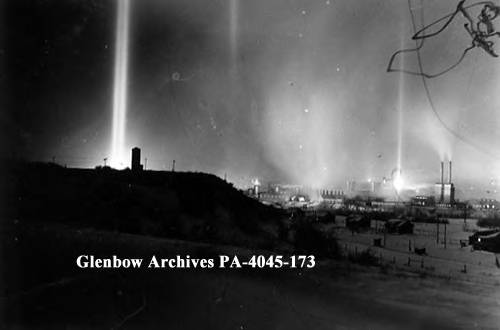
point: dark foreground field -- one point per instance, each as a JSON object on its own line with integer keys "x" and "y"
{"x": 44, "y": 289}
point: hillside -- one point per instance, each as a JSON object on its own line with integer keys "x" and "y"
{"x": 185, "y": 205}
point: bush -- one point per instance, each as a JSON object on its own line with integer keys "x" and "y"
{"x": 309, "y": 239}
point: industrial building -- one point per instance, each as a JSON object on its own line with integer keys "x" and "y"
{"x": 276, "y": 193}
{"x": 485, "y": 204}
{"x": 370, "y": 188}
{"x": 426, "y": 201}
{"x": 445, "y": 192}
{"x": 332, "y": 194}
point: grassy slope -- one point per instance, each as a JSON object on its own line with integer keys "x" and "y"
{"x": 193, "y": 206}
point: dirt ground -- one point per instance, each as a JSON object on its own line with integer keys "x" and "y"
{"x": 45, "y": 290}
{"x": 450, "y": 260}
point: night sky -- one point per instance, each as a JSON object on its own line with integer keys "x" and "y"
{"x": 293, "y": 91}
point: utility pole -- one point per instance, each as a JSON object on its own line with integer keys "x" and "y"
{"x": 465, "y": 216}
{"x": 437, "y": 230}
{"x": 385, "y": 235}
{"x": 145, "y": 163}
{"x": 105, "y": 161}
{"x": 173, "y": 165}
{"x": 445, "y": 235}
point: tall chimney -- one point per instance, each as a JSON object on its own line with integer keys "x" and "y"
{"x": 449, "y": 173}
{"x": 442, "y": 173}
{"x": 441, "y": 198}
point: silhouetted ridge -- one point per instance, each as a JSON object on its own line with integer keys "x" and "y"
{"x": 195, "y": 206}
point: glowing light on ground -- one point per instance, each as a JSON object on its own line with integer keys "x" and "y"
{"x": 119, "y": 157}
{"x": 398, "y": 181}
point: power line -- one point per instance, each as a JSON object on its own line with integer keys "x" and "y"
{"x": 426, "y": 87}
{"x": 478, "y": 40}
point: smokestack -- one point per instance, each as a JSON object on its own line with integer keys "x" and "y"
{"x": 442, "y": 172}
{"x": 441, "y": 198}
{"x": 449, "y": 174}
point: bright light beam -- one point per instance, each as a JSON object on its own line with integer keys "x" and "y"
{"x": 400, "y": 111}
{"x": 233, "y": 32}
{"x": 118, "y": 154}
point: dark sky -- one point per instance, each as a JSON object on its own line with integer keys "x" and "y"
{"x": 286, "y": 90}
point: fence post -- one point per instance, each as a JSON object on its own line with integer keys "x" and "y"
{"x": 445, "y": 235}
{"x": 409, "y": 261}
{"x": 437, "y": 231}
{"x": 385, "y": 236}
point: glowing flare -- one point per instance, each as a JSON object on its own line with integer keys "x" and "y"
{"x": 118, "y": 157}
{"x": 398, "y": 182}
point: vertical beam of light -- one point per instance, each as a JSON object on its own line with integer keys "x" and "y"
{"x": 118, "y": 157}
{"x": 397, "y": 177}
{"x": 400, "y": 110}
{"x": 233, "y": 32}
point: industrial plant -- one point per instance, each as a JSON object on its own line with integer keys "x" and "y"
{"x": 445, "y": 192}
{"x": 305, "y": 145}
{"x": 372, "y": 193}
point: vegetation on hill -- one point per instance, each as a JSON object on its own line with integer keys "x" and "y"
{"x": 195, "y": 206}
{"x": 182, "y": 205}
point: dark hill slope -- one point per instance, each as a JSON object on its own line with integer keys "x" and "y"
{"x": 194, "y": 206}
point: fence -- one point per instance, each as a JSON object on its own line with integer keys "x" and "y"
{"x": 423, "y": 265}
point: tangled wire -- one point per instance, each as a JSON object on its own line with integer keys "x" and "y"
{"x": 480, "y": 31}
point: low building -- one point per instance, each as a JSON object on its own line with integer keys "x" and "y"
{"x": 364, "y": 189}
{"x": 485, "y": 204}
{"x": 425, "y": 201}
{"x": 332, "y": 194}
{"x": 399, "y": 226}
{"x": 278, "y": 193}
{"x": 357, "y": 222}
